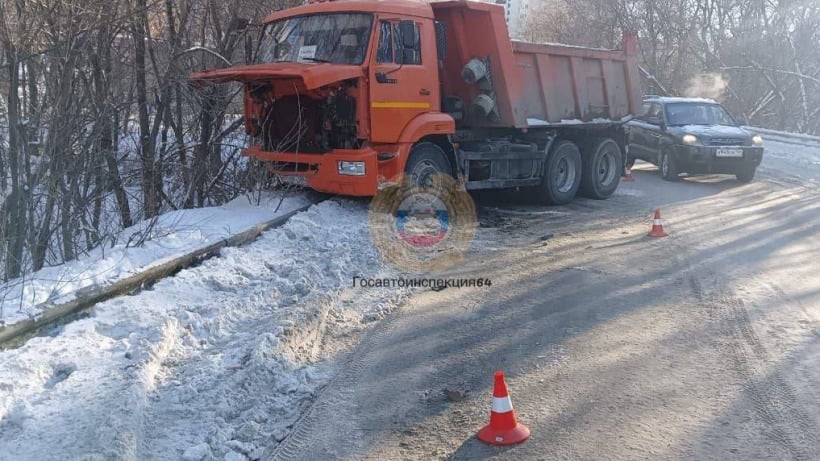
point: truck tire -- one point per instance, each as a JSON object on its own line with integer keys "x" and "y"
{"x": 562, "y": 174}
{"x": 426, "y": 161}
{"x": 602, "y": 167}
{"x": 746, "y": 174}
{"x": 668, "y": 166}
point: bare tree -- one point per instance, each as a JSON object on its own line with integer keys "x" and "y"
{"x": 98, "y": 125}
{"x": 764, "y": 51}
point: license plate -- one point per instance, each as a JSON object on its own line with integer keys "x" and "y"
{"x": 729, "y": 153}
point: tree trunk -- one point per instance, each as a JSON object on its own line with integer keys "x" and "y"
{"x": 150, "y": 204}
{"x": 107, "y": 145}
{"x": 16, "y": 218}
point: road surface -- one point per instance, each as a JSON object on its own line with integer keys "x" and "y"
{"x": 701, "y": 345}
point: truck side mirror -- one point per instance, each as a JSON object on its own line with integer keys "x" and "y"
{"x": 742, "y": 120}
{"x": 407, "y": 28}
{"x": 662, "y": 125}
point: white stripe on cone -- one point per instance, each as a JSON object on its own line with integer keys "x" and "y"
{"x": 502, "y": 404}
{"x": 657, "y": 222}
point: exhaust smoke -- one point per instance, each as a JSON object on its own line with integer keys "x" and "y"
{"x": 711, "y": 85}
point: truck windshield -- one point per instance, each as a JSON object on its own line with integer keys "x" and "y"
{"x": 697, "y": 114}
{"x": 339, "y": 38}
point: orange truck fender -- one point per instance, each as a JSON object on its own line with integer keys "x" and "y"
{"x": 432, "y": 123}
{"x": 425, "y": 126}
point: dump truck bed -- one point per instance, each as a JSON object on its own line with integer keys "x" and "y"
{"x": 537, "y": 84}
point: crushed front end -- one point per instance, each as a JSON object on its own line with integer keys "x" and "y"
{"x": 305, "y": 102}
{"x": 312, "y": 137}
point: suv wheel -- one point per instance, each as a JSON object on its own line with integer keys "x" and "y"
{"x": 669, "y": 167}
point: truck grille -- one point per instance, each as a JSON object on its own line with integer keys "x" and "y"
{"x": 726, "y": 142}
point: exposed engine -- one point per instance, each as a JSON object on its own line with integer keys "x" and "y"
{"x": 317, "y": 123}
{"x": 339, "y": 122}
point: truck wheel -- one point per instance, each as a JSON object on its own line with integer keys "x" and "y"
{"x": 562, "y": 174}
{"x": 601, "y": 172}
{"x": 668, "y": 166}
{"x": 745, "y": 174}
{"x": 426, "y": 161}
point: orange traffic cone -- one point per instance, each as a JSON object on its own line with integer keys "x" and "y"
{"x": 503, "y": 428}
{"x": 628, "y": 175}
{"x": 657, "y": 226}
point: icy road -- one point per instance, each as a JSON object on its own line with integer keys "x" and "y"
{"x": 702, "y": 345}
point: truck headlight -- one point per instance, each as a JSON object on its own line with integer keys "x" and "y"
{"x": 351, "y": 168}
{"x": 757, "y": 140}
{"x": 689, "y": 139}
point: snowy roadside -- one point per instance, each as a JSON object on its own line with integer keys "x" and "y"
{"x": 171, "y": 235}
{"x": 213, "y": 363}
{"x": 786, "y": 137}
{"x": 799, "y": 161}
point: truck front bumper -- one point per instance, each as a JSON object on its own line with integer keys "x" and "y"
{"x": 705, "y": 159}
{"x": 322, "y": 173}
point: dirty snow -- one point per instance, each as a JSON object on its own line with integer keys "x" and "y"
{"x": 219, "y": 361}
{"x": 170, "y": 236}
{"x": 575, "y": 121}
{"x": 213, "y": 363}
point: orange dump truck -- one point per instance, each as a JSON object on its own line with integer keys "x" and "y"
{"x": 348, "y": 96}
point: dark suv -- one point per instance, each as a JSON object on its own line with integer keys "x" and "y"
{"x": 690, "y": 135}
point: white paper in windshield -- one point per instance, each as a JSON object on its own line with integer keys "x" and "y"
{"x": 307, "y": 52}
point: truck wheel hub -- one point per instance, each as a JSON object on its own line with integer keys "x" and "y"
{"x": 606, "y": 169}
{"x": 424, "y": 173}
{"x": 564, "y": 175}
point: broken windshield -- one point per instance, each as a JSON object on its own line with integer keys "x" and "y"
{"x": 339, "y": 38}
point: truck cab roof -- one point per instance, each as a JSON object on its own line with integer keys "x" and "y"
{"x": 401, "y": 7}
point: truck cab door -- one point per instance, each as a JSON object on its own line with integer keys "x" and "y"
{"x": 403, "y": 79}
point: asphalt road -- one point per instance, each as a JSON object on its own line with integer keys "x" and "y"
{"x": 701, "y": 345}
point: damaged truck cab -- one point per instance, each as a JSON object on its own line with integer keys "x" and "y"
{"x": 340, "y": 91}
{"x": 348, "y": 96}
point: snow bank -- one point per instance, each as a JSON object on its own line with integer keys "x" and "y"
{"x": 170, "y": 236}
{"x": 214, "y": 363}
{"x": 791, "y": 160}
